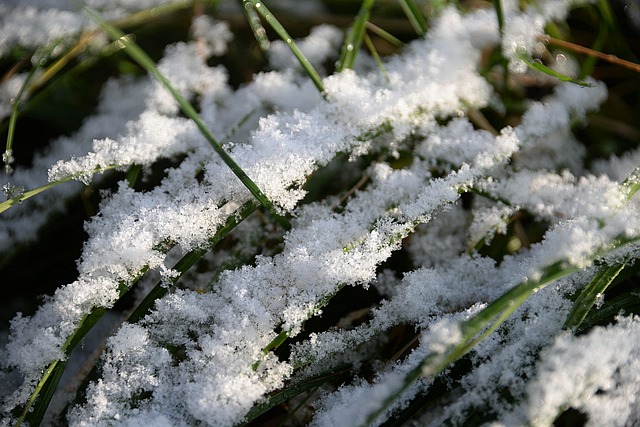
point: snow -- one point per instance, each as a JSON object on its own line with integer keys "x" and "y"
{"x": 197, "y": 357}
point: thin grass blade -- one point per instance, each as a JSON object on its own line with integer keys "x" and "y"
{"x": 531, "y": 63}
{"x": 589, "y": 295}
{"x": 189, "y": 259}
{"x": 354, "y": 37}
{"x": 415, "y": 16}
{"x": 262, "y": 9}
{"x": 138, "y": 55}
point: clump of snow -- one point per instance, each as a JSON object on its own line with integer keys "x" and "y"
{"x": 596, "y": 374}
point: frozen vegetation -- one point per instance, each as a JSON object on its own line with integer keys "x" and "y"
{"x": 417, "y": 174}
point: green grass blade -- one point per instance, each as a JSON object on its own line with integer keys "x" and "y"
{"x": 190, "y": 258}
{"x": 629, "y": 303}
{"x": 38, "y": 60}
{"x": 531, "y": 63}
{"x": 588, "y": 296}
{"x": 262, "y": 9}
{"x": 385, "y": 35}
{"x": 374, "y": 54}
{"x": 355, "y": 35}
{"x": 38, "y": 402}
{"x": 22, "y": 196}
{"x": 482, "y": 324}
{"x": 415, "y": 16}
{"x": 17, "y": 196}
{"x": 294, "y": 390}
{"x": 632, "y": 183}
{"x": 138, "y": 55}
{"x": 257, "y": 29}
{"x": 497, "y": 4}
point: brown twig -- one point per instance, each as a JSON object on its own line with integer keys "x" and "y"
{"x": 585, "y": 50}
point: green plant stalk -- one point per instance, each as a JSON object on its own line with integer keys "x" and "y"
{"x": 484, "y": 322}
{"x": 259, "y": 33}
{"x": 38, "y": 60}
{"x": 138, "y": 55}
{"x": 497, "y": 4}
{"x": 384, "y": 34}
{"x": 284, "y": 35}
{"x": 588, "y": 296}
{"x": 610, "y": 309}
{"x": 28, "y": 194}
{"x": 531, "y": 63}
{"x": 353, "y": 40}
{"x": 374, "y": 54}
{"x": 10, "y": 202}
{"x": 415, "y": 16}
{"x": 40, "y": 398}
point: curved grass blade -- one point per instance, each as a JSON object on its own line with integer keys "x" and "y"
{"x": 38, "y": 402}
{"x": 41, "y": 396}
{"x": 138, "y": 55}
{"x": 38, "y": 60}
{"x": 354, "y": 37}
{"x": 261, "y": 8}
{"x": 629, "y": 302}
{"x": 18, "y": 196}
{"x": 415, "y": 16}
{"x": 531, "y": 63}
{"x": 588, "y": 295}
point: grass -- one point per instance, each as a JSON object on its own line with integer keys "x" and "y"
{"x": 365, "y": 28}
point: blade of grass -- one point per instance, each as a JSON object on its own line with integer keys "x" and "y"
{"x": 629, "y": 302}
{"x": 189, "y": 259}
{"x": 262, "y": 9}
{"x": 38, "y": 402}
{"x": 39, "y": 59}
{"x": 21, "y": 196}
{"x": 138, "y": 55}
{"x": 482, "y": 324}
{"x": 353, "y": 40}
{"x": 415, "y": 16}
{"x": 41, "y": 396}
{"x": 531, "y": 63}
{"x": 294, "y": 390}
{"x": 257, "y": 29}
{"x": 384, "y": 34}
{"x": 374, "y": 54}
{"x": 593, "y": 53}
{"x": 588, "y": 296}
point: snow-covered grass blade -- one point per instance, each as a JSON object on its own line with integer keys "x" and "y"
{"x": 439, "y": 228}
